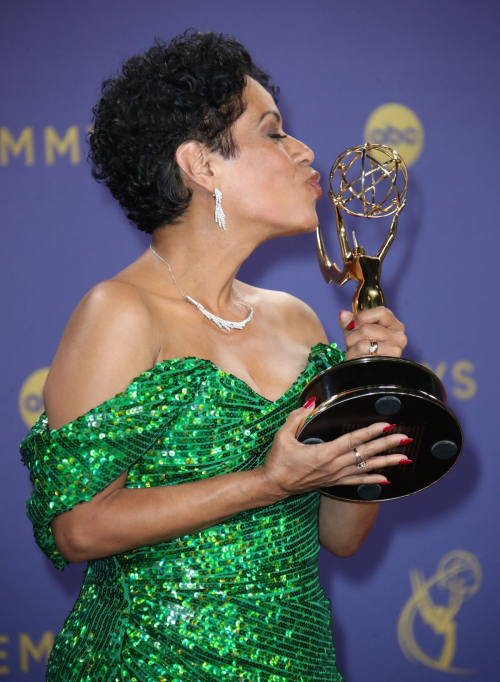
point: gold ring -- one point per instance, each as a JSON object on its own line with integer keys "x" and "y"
{"x": 373, "y": 347}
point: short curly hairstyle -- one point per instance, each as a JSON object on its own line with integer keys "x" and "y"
{"x": 188, "y": 89}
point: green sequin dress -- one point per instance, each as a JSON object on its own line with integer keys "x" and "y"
{"x": 238, "y": 601}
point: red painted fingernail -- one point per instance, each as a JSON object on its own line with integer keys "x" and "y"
{"x": 384, "y": 482}
{"x": 309, "y": 403}
{"x": 342, "y": 311}
{"x": 405, "y": 441}
{"x": 351, "y": 325}
{"x": 388, "y": 428}
{"x": 405, "y": 461}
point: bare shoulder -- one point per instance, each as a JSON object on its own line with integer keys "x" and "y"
{"x": 294, "y": 316}
{"x": 108, "y": 341}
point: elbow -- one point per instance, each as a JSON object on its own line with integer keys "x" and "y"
{"x": 72, "y": 554}
{"x": 69, "y": 540}
{"x": 343, "y": 550}
{"x": 71, "y": 550}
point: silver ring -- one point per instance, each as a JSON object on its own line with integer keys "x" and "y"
{"x": 360, "y": 461}
{"x": 373, "y": 347}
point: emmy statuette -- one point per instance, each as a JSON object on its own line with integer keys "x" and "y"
{"x": 359, "y": 392}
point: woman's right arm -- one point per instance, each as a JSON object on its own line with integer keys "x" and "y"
{"x": 108, "y": 341}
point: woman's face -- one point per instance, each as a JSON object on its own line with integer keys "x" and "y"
{"x": 268, "y": 185}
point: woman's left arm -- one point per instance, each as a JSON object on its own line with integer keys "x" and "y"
{"x": 344, "y": 526}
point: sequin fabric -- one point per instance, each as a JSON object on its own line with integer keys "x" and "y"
{"x": 238, "y": 601}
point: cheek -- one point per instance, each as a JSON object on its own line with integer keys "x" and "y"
{"x": 267, "y": 186}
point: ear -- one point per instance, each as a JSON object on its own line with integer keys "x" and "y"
{"x": 197, "y": 163}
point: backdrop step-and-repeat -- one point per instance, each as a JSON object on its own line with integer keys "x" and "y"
{"x": 417, "y": 602}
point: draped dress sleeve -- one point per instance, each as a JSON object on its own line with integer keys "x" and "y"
{"x": 326, "y": 356}
{"x": 71, "y": 464}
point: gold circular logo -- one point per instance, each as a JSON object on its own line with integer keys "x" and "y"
{"x": 397, "y": 127}
{"x": 31, "y": 396}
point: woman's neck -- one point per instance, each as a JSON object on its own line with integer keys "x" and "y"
{"x": 204, "y": 260}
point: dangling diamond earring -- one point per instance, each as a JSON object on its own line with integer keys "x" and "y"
{"x": 220, "y": 216}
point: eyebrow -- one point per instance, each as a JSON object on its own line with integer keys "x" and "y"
{"x": 266, "y": 113}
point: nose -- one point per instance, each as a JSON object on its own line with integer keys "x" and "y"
{"x": 300, "y": 152}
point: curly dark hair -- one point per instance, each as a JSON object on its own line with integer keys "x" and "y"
{"x": 188, "y": 89}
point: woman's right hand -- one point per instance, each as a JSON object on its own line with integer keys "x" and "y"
{"x": 291, "y": 467}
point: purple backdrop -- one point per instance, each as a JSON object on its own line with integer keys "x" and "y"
{"x": 336, "y": 63}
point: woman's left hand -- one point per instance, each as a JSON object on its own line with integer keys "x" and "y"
{"x": 376, "y": 324}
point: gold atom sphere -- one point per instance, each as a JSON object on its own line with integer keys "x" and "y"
{"x": 374, "y": 175}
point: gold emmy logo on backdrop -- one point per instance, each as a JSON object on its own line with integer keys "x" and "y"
{"x": 458, "y": 574}
{"x": 31, "y": 396}
{"x": 397, "y": 126}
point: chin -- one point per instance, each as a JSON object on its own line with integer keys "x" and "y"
{"x": 299, "y": 224}
{"x": 293, "y": 230}
{"x": 308, "y": 224}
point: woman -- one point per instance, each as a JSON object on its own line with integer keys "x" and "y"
{"x": 166, "y": 456}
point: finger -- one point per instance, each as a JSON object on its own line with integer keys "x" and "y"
{"x": 373, "y": 465}
{"x": 346, "y": 443}
{"x": 379, "y": 315}
{"x": 375, "y": 447}
{"x": 345, "y": 319}
{"x": 362, "y": 348}
{"x": 297, "y": 417}
{"x": 372, "y": 448}
{"x": 359, "y": 479}
{"x": 375, "y": 332}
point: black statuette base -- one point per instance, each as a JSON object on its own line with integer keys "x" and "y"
{"x": 351, "y": 396}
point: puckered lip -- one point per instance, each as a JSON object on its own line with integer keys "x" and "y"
{"x": 313, "y": 180}
{"x": 315, "y": 177}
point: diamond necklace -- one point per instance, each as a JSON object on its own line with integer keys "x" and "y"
{"x": 227, "y": 325}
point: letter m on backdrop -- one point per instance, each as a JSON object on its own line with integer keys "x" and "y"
{"x": 10, "y": 146}
{"x": 27, "y": 649}
{"x": 54, "y": 144}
